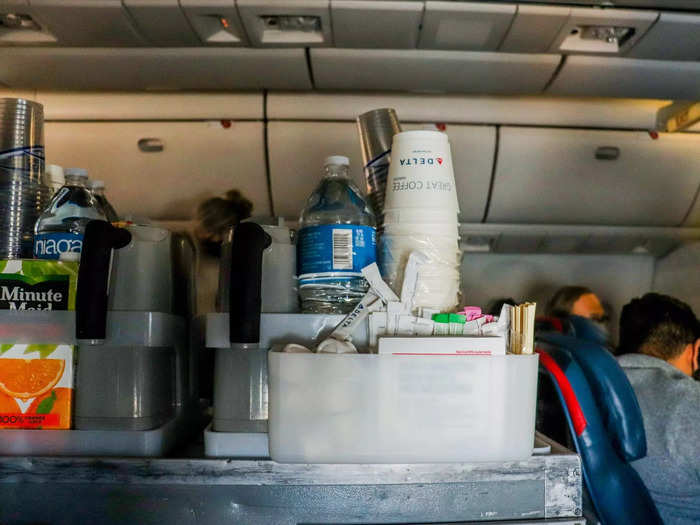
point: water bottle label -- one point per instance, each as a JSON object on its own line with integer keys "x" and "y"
{"x": 52, "y": 245}
{"x": 344, "y": 248}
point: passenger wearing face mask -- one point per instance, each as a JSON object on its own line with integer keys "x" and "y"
{"x": 576, "y": 300}
{"x": 660, "y": 340}
{"x": 580, "y": 301}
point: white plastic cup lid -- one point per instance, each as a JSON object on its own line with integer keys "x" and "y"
{"x": 69, "y": 257}
{"x": 76, "y": 172}
{"x": 421, "y": 135}
{"x": 55, "y": 173}
{"x": 338, "y": 160}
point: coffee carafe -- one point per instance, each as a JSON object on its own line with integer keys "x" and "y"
{"x": 278, "y": 284}
{"x": 133, "y": 349}
{"x": 257, "y": 275}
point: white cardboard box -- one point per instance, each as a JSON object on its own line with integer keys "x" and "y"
{"x": 455, "y": 345}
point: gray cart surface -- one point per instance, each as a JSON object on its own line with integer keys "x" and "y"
{"x": 53, "y": 490}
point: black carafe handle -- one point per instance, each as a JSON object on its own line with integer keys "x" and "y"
{"x": 245, "y": 285}
{"x": 93, "y": 277}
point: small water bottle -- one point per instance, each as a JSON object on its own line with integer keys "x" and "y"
{"x": 61, "y": 227}
{"x": 337, "y": 238}
{"x": 98, "y": 190}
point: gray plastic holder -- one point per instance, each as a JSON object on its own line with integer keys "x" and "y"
{"x": 149, "y": 443}
{"x": 123, "y": 328}
{"x": 143, "y": 352}
{"x": 303, "y": 329}
{"x": 235, "y": 444}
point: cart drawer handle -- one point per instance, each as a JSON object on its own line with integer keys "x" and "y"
{"x": 150, "y": 145}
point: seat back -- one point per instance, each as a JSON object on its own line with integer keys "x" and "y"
{"x": 617, "y": 492}
{"x": 587, "y": 330}
{"x": 612, "y": 392}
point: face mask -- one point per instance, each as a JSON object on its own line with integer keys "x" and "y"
{"x": 604, "y": 330}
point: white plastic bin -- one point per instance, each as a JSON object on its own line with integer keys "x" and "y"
{"x": 364, "y": 408}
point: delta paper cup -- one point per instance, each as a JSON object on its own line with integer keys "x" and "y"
{"x": 421, "y": 174}
{"x": 428, "y": 216}
{"x": 438, "y": 279}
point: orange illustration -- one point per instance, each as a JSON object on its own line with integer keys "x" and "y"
{"x": 8, "y": 405}
{"x": 27, "y": 378}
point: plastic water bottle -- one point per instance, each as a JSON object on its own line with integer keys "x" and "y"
{"x": 337, "y": 238}
{"x": 61, "y": 227}
{"x": 98, "y": 190}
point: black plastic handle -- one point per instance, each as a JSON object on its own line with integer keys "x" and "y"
{"x": 245, "y": 296}
{"x": 93, "y": 276}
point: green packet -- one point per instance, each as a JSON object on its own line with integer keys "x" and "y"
{"x": 37, "y": 284}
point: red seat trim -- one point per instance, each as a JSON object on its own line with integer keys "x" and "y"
{"x": 572, "y": 404}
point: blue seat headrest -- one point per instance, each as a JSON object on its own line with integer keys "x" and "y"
{"x": 617, "y": 492}
{"x": 614, "y": 396}
{"x": 584, "y": 328}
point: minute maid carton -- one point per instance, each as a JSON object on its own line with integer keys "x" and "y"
{"x": 36, "y": 386}
{"x": 38, "y": 284}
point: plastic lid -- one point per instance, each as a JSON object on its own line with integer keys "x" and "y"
{"x": 338, "y": 160}
{"x": 69, "y": 257}
{"x": 76, "y": 172}
{"x": 97, "y": 184}
{"x": 55, "y": 172}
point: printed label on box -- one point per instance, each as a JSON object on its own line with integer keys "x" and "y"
{"x": 31, "y": 284}
{"x": 36, "y": 386}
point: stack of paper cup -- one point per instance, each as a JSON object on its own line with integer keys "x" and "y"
{"x": 420, "y": 214}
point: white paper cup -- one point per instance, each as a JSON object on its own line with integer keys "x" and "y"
{"x": 421, "y": 174}
{"x": 420, "y": 216}
{"x": 438, "y": 279}
{"x": 442, "y": 230}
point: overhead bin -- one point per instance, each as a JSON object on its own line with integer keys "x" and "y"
{"x": 628, "y": 78}
{"x": 571, "y": 176}
{"x": 693, "y": 218}
{"x": 115, "y": 106}
{"x": 533, "y": 111}
{"x": 154, "y": 68}
{"x": 162, "y": 22}
{"x": 87, "y": 22}
{"x": 465, "y": 26}
{"x": 376, "y": 23}
{"x": 163, "y": 170}
{"x": 674, "y": 36}
{"x": 534, "y": 28}
{"x": 436, "y": 71}
{"x": 297, "y": 151}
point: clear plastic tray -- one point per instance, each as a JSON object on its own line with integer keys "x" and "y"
{"x": 235, "y": 444}
{"x": 144, "y": 443}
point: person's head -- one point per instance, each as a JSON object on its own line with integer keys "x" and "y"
{"x": 576, "y": 300}
{"x": 217, "y": 215}
{"x": 662, "y": 327}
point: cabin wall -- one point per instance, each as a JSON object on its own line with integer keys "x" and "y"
{"x": 535, "y": 277}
